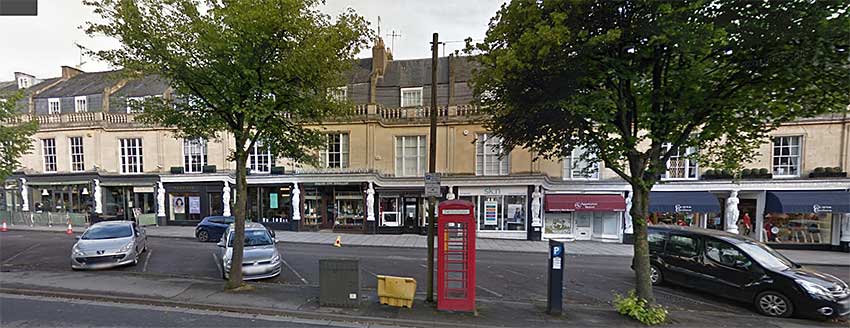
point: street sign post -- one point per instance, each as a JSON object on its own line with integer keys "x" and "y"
{"x": 432, "y": 185}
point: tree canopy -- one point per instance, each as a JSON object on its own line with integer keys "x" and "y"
{"x": 14, "y": 137}
{"x": 635, "y": 81}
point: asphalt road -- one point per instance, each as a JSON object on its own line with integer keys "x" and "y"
{"x": 27, "y": 311}
{"x": 501, "y": 276}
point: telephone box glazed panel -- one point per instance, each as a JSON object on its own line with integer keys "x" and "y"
{"x": 456, "y": 256}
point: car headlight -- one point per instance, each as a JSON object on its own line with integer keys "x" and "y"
{"x": 126, "y": 248}
{"x": 814, "y": 289}
{"x": 77, "y": 251}
{"x": 275, "y": 259}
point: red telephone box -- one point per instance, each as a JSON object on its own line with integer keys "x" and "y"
{"x": 456, "y": 256}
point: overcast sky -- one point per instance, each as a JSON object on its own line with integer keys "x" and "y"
{"x": 40, "y": 44}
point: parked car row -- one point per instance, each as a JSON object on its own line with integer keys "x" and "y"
{"x": 742, "y": 269}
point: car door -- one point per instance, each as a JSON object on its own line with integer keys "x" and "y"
{"x": 139, "y": 237}
{"x": 731, "y": 271}
{"x": 684, "y": 261}
{"x": 216, "y": 227}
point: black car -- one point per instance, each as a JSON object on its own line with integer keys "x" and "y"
{"x": 211, "y": 228}
{"x": 743, "y": 269}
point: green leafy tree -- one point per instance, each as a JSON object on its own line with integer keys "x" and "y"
{"x": 256, "y": 69}
{"x": 634, "y": 81}
{"x": 14, "y": 135}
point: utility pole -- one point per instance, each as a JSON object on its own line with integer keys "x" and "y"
{"x": 432, "y": 167}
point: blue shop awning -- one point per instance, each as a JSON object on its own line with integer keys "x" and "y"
{"x": 816, "y": 201}
{"x": 683, "y": 201}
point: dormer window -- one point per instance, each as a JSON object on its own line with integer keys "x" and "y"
{"x": 411, "y": 97}
{"x": 54, "y": 106}
{"x": 135, "y": 105}
{"x": 80, "y": 104}
{"x": 23, "y": 83}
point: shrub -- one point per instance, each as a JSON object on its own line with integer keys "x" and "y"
{"x": 819, "y": 170}
{"x": 837, "y": 169}
{"x": 709, "y": 173}
{"x": 746, "y": 172}
{"x": 828, "y": 170}
{"x": 639, "y": 309}
{"x": 762, "y": 171}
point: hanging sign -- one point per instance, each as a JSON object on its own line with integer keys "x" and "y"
{"x": 194, "y": 205}
{"x": 491, "y": 212}
{"x": 273, "y": 200}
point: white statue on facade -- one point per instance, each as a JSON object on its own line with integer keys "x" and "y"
{"x": 732, "y": 212}
{"x": 451, "y": 194}
{"x": 25, "y": 198}
{"x": 535, "y": 207}
{"x": 225, "y": 199}
{"x": 160, "y": 199}
{"x": 628, "y": 227}
{"x": 296, "y": 202}
{"x": 370, "y": 203}
{"x": 98, "y": 202}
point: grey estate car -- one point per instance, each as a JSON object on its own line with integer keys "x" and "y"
{"x": 109, "y": 244}
{"x": 260, "y": 259}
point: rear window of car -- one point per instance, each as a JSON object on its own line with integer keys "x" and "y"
{"x": 215, "y": 220}
{"x": 682, "y": 246}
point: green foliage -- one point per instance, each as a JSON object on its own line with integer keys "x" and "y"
{"x": 640, "y": 309}
{"x": 14, "y": 137}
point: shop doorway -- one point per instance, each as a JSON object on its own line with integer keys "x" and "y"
{"x": 584, "y": 225}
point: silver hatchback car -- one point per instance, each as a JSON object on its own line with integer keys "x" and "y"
{"x": 109, "y": 244}
{"x": 260, "y": 259}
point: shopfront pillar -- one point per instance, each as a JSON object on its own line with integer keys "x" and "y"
{"x": 98, "y": 198}
{"x": 536, "y": 231}
{"x": 370, "y": 209}
{"x": 160, "y": 203}
{"x": 225, "y": 199}
{"x": 628, "y": 227}
{"x": 732, "y": 212}
{"x": 25, "y": 199}
{"x": 296, "y": 207}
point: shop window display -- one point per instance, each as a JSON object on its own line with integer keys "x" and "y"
{"x": 311, "y": 215}
{"x": 349, "y": 209}
{"x": 798, "y": 228}
{"x": 501, "y": 213}
{"x": 390, "y": 212}
{"x": 558, "y": 224}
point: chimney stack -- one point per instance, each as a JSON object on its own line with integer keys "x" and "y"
{"x": 69, "y": 72}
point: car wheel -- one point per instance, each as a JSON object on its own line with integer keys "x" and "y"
{"x": 203, "y": 236}
{"x": 655, "y": 275}
{"x": 774, "y": 304}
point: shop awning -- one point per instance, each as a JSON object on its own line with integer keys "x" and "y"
{"x": 683, "y": 201}
{"x": 584, "y": 203}
{"x": 816, "y": 201}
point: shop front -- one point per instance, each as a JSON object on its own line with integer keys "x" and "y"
{"x": 401, "y": 211}
{"x": 271, "y": 205}
{"x": 500, "y": 211}
{"x": 686, "y": 208}
{"x": 187, "y": 203}
{"x": 583, "y": 216}
{"x": 338, "y": 207}
{"x": 60, "y": 202}
{"x": 811, "y": 219}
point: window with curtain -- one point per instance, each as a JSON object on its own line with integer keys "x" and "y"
{"x": 786, "y": 156}
{"x": 680, "y": 166}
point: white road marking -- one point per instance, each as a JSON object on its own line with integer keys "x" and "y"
{"x": 21, "y": 252}
{"x": 491, "y": 292}
{"x": 295, "y": 272}
{"x": 424, "y": 266}
{"x": 147, "y": 260}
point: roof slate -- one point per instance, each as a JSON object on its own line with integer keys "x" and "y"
{"x": 82, "y": 85}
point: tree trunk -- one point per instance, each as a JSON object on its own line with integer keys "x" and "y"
{"x": 240, "y": 211}
{"x": 640, "y": 212}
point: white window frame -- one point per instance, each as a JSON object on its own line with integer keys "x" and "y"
{"x": 48, "y": 155}
{"x": 397, "y": 213}
{"x": 401, "y": 96}
{"x": 573, "y": 173}
{"x": 81, "y": 104}
{"x": 23, "y": 83}
{"x": 344, "y": 150}
{"x": 337, "y": 95}
{"x": 420, "y": 155}
{"x": 257, "y": 155}
{"x": 774, "y": 156}
{"x": 137, "y": 102}
{"x": 76, "y": 151}
{"x": 690, "y": 165}
{"x": 51, "y": 109}
{"x": 192, "y": 162}
{"x": 485, "y": 157}
{"x": 131, "y": 162}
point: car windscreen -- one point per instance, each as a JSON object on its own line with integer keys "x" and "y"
{"x": 766, "y": 256}
{"x": 253, "y": 238}
{"x": 108, "y": 232}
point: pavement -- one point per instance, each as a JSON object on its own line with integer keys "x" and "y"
{"x": 804, "y": 257}
{"x": 511, "y": 286}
